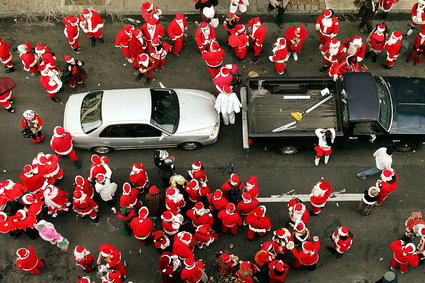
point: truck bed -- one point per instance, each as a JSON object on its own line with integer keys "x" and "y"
{"x": 268, "y": 110}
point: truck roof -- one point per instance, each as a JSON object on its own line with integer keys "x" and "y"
{"x": 363, "y": 103}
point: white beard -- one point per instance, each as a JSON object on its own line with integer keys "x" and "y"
{"x": 352, "y": 49}
{"x": 333, "y": 51}
{"x": 327, "y": 22}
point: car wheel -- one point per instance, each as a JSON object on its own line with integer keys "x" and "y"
{"x": 289, "y": 149}
{"x": 102, "y": 149}
{"x": 190, "y": 145}
{"x": 406, "y": 146}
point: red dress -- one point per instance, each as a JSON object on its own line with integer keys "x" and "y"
{"x": 295, "y": 37}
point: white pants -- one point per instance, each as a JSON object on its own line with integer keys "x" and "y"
{"x": 234, "y": 8}
{"x": 228, "y": 117}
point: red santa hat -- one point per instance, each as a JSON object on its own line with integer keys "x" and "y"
{"x": 199, "y": 207}
{"x": 3, "y": 216}
{"x": 143, "y": 212}
{"x": 42, "y": 160}
{"x": 381, "y": 28}
{"x": 252, "y": 181}
{"x": 422, "y": 232}
{"x": 225, "y": 257}
{"x": 68, "y": 59}
{"x": 95, "y": 159}
{"x": 203, "y": 229}
{"x": 227, "y": 89}
{"x": 256, "y": 20}
{"x": 282, "y": 233}
{"x": 179, "y": 16}
{"x": 324, "y": 186}
{"x": 245, "y": 265}
{"x": 189, "y": 262}
{"x": 218, "y": 194}
{"x": 40, "y": 48}
{"x": 80, "y": 252}
{"x": 409, "y": 248}
{"x": 279, "y": 266}
{"x": 111, "y": 276}
{"x": 171, "y": 191}
{"x": 28, "y": 199}
{"x": 58, "y": 131}
{"x": 137, "y": 167}
{"x": 43, "y": 68}
{"x": 126, "y": 188}
{"x": 327, "y": 13}
{"x": 234, "y": 180}
{"x": 78, "y": 195}
{"x": 144, "y": 59}
{"x": 246, "y": 196}
{"x": 334, "y": 43}
{"x": 193, "y": 184}
{"x": 197, "y": 165}
{"x": 214, "y": 46}
{"x": 86, "y": 13}
{"x": 299, "y": 226}
{"x": 240, "y": 28}
{"x": 7, "y": 185}
{"x": 104, "y": 159}
{"x": 153, "y": 190}
{"x": 106, "y": 252}
{"x": 299, "y": 207}
{"x": 128, "y": 28}
{"x": 27, "y": 168}
{"x": 343, "y": 231}
{"x": 308, "y": 246}
{"x": 203, "y": 25}
{"x": 72, "y": 20}
{"x": 167, "y": 216}
{"x": 357, "y": 40}
{"x": 397, "y": 34}
{"x": 20, "y": 214}
{"x": 147, "y": 6}
{"x": 260, "y": 211}
{"x": 230, "y": 207}
{"x": 185, "y": 237}
{"x": 281, "y": 41}
{"x": 22, "y": 253}
{"x": 158, "y": 234}
{"x": 387, "y": 175}
{"x": 79, "y": 181}
{"x": 100, "y": 178}
{"x": 225, "y": 71}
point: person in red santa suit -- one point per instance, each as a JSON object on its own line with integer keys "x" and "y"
{"x": 404, "y": 255}
{"x": 295, "y": 36}
{"x": 246, "y": 205}
{"x": 213, "y": 57}
{"x": 174, "y": 200}
{"x": 319, "y": 196}
{"x": 251, "y": 187}
{"x": 385, "y": 6}
{"x": 85, "y": 279}
{"x": 200, "y": 215}
{"x": 48, "y": 165}
{"x": 193, "y": 272}
{"x": 61, "y": 144}
{"x": 136, "y": 45}
{"x": 51, "y": 82}
{"x": 198, "y": 172}
{"x": 226, "y": 263}
{"x": 376, "y": 40}
{"x": 129, "y": 197}
{"x": 7, "y": 225}
{"x": 83, "y": 205}
{"x": 277, "y": 271}
{"x": 28, "y": 58}
{"x": 6, "y": 98}
{"x": 342, "y": 240}
{"x": 258, "y": 223}
{"x": 177, "y": 32}
{"x": 12, "y": 190}
{"x": 418, "y": 48}
{"x": 297, "y": 212}
{"x": 239, "y": 40}
{"x": 34, "y": 123}
{"x": 301, "y": 233}
{"x": 46, "y": 57}
{"x": 257, "y": 34}
{"x": 142, "y": 226}
{"x": 168, "y": 264}
{"x": 387, "y": 184}
{"x": 280, "y": 55}
{"x": 145, "y": 65}
{"x": 331, "y": 52}
{"x": 112, "y": 276}
{"x": 99, "y": 166}
{"x": 193, "y": 190}
{"x": 204, "y": 236}
{"x": 56, "y": 200}
{"x": 204, "y": 35}
{"x": 327, "y": 26}
{"x": 83, "y": 258}
{"x": 6, "y": 56}
{"x": 171, "y": 222}
{"x": 150, "y": 12}
{"x": 230, "y": 219}
{"x": 355, "y": 47}
{"x": 139, "y": 177}
{"x": 346, "y": 64}
{"x": 91, "y": 23}
{"x": 151, "y": 30}
{"x": 225, "y": 77}
{"x": 266, "y": 254}
{"x": 25, "y": 222}
{"x": 161, "y": 241}
{"x": 309, "y": 255}
{"x": 216, "y": 201}
{"x": 158, "y": 50}
{"x": 282, "y": 237}
{"x": 28, "y": 261}
{"x": 122, "y": 41}
{"x": 83, "y": 184}
{"x": 113, "y": 259}
{"x": 184, "y": 245}
{"x": 232, "y": 187}
{"x": 72, "y": 32}
{"x": 418, "y": 16}
{"x": 32, "y": 179}
{"x": 392, "y": 46}
{"x": 32, "y": 204}
{"x": 246, "y": 272}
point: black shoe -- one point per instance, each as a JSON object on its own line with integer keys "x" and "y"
{"x": 385, "y": 66}
{"x": 139, "y": 76}
{"x": 11, "y": 101}
{"x": 367, "y": 54}
{"x": 11, "y": 110}
{"x": 55, "y": 99}
{"x": 338, "y": 255}
{"x": 148, "y": 82}
{"x": 96, "y": 219}
{"x": 76, "y": 50}
{"x": 374, "y": 57}
{"x": 93, "y": 41}
{"x": 10, "y": 70}
{"x": 331, "y": 249}
{"x": 77, "y": 163}
{"x": 255, "y": 58}
{"x": 101, "y": 40}
{"x": 324, "y": 68}
{"x": 177, "y": 55}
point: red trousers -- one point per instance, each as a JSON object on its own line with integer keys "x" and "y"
{"x": 412, "y": 56}
{"x": 233, "y": 230}
{"x": 120, "y": 267}
{"x": 390, "y": 62}
{"x": 323, "y": 38}
{"x": 10, "y": 63}
{"x": 178, "y": 45}
{"x": 403, "y": 266}
{"x": 36, "y": 270}
{"x": 251, "y": 234}
{"x": 126, "y": 52}
{"x": 97, "y": 34}
{"x": 280, "y": 67}
{"x": 72, "y": 155}
{"x": 240, "y": 52}
{"x": 320, "y": 151}
{"x": 87, "y": 265}
{"x": 6, "y": 97}
{"x": 315, "y": 209}
{"x": 75, "y": 44}
{"x": 214, "y": 71}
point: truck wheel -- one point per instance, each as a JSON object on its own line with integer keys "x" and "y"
{"x": 289, "y": 149}
{"x": 190, "y": 145}
{"x": 102, "y": 149}
{"x": 406, "y": 146}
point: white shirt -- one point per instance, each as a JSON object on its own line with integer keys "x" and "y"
{"x": 383, "y": 160}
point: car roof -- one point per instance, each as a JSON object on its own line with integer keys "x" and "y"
{"x": 126, "y": 105}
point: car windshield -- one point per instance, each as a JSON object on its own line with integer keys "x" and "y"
{"x": 165, "y": 109}
{"x": 385, "y": 104}
{"x": 91, "y": 111}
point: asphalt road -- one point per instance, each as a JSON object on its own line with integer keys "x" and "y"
{"x": 366, "y": 261}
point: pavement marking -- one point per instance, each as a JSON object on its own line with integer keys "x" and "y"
{"x": 306, "y": 198}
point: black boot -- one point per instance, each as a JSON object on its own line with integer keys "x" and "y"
{"x": 148, "y": 81}
{"x": 255, "y": 58}
{"x": 139, "y": 76}
{"x": 93, "y": 41}
{"x": 385, "y": 66}
{"x": 101, "y": 40}
{"x": 77, "y": 163}
{"x": 10, "y": 70}
{"x": 96, "y": 219}
{"x": 374, "y": 57}
{"x": 10, "y": 109}
{"x": 367, "y": 54}
{"x": 76, "y": 50}
{"x": 55, "y": 99}
{"x": 324, "y": 68}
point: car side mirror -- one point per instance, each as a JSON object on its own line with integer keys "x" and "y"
{"x": 163, "y": 136}
{"x": 372, "y": 138}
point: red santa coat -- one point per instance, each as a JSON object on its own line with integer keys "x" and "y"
{"x": 171, "y": 227}
{"x": 377, "y": 41}
{"x": 329, "y": 54}
{"x": 62, "y": 145}
{"x": 327, "y": 27}
{"x": 159, "y": 54}
{"x": 12, "y": 190}
{"x": 204, "y": 236}
{"x": 175, "y": 31}
{"x": 72, "y": 31}
{"x": 50, "y": 168}
{"x": 302, "y": 215}
{"x": 122, "y": 40}
{"x": 200, "y": 218}
{"x": 213, "y": 59}
{"x": 136, "y": 46}
{"x": 418, "y": 16}
{"x": 57, "y": 200}
{"x": 152, "y": 14}
{"x": 222, "y": 80}
{"x": 217, "y": 203}
{"x": 129, "y": 199}
{"x": 307, "y": 257}
{"x": 401, "y": 256}
{"x": 240, "y": 42}
{"x": 85, "y": 187}
{"x": 29, "y": 59}
{"x": 167, "y": 265}
{"x": 245, "y": 207}
{"x": 139, "y": 178}
{"x": 6, "y": 223}
{"x": 34, "y": 208}
{"x": 360, "y": 52}
{"x": 193, "y": 274}
{"x": 92, "y": 26}
{"x": 277, "y": 276}
{"x": 48, "y": 59}
{"x": 193, "y": 190}
{"x": 30, "y": 262}
{"x": 5, "y": 55}
{"x": 258, "y": 224}
{"x": 245, "y": 274}
{"x": 341, "y": 245}
{"x": 84, "y": 206}
{"x": 152, "y": 31}
{"x": 319, "y": 197}
{"x": 182, "y": 249}
{"x": 386, "y": 189}
{"x": 387, "y": 5}
{"x": 393, "y": 49}
{"x": 295, "y": 37}
{"x": 142, "y": 227}
{"x": 23, "y": 222}
{"x": 256, "y": 35}
{"x": 419, "y": 43}
{"x": 203, "y": 40}
{"x": 114, "y": 258}
{"x": 342, "y": 67}
{"x": 174, "y": 201}
{"x": 51, "y": 83}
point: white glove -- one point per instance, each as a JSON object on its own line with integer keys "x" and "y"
{"x": 290, "y": 245}
{"x": 315, "y": 238}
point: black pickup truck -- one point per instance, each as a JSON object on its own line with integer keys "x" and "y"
{"x": 363, "y": 108}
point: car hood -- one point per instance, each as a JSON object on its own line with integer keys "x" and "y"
{"x": 409, "y": 103}
{"x": 71, "y": 120}
{"x": 197, "y": 112}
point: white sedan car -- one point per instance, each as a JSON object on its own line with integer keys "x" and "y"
{"x": 107, "y": 120}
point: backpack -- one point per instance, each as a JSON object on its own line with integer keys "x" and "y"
{"x": 404, "y": 46}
